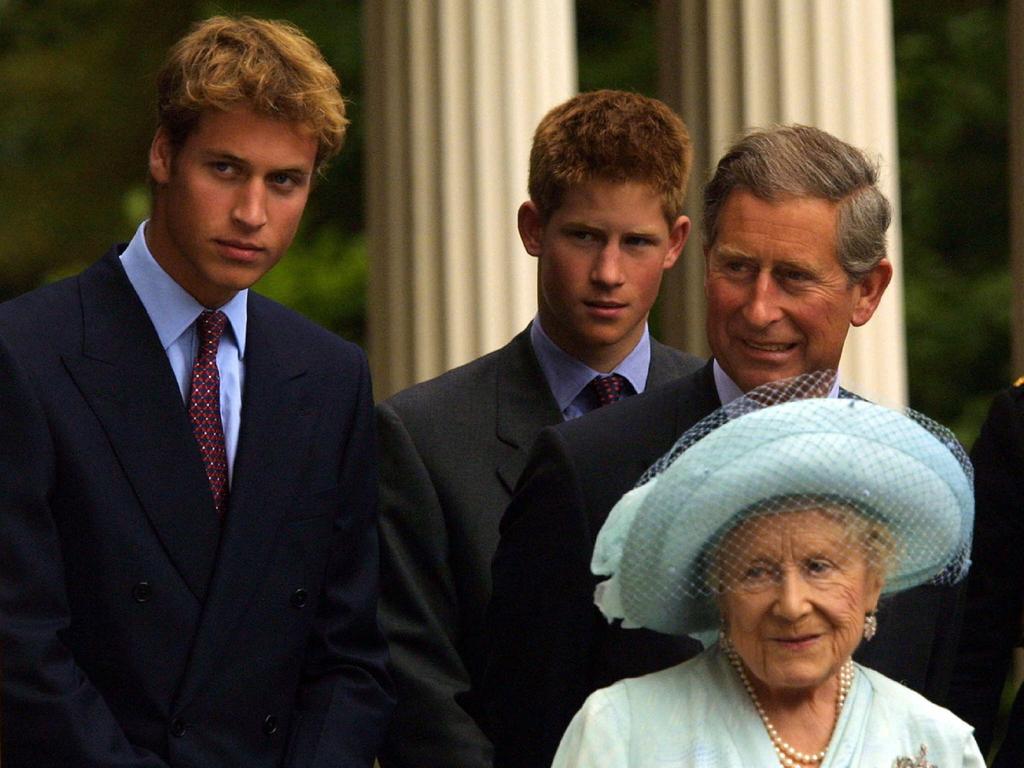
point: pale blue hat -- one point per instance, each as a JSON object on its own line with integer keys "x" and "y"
{"x": 900, "y": 469}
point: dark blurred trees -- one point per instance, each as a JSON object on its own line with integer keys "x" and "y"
{"x": 77, "y": 114}
{"x": 75, "y": 121}
{"x": 953, "y": 119}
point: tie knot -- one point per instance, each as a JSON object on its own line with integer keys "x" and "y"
{"x": 210, "y": 327}
{"x": 608, "y": 388}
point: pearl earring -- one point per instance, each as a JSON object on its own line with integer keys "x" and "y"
{"x": 870, "y": 625}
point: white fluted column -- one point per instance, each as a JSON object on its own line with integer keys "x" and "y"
{"x": 454, "y": 91}
{"x": 732, "y": 64}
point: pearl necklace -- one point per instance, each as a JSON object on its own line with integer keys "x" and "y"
{"x": 789, "y": 756}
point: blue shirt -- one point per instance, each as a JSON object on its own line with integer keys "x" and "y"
{"x": 568, "y": 377}
{"x": 728, "y": 390}
{"x": 173, "y": 313}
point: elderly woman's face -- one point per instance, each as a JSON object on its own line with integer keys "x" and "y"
{"x": 796, "y": 592}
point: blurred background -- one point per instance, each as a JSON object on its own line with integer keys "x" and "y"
{"x": 77, "y": 113}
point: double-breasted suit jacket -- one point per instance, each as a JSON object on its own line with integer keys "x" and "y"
{"x": 138, "y": 628}
{"x": 451, "y": 451}
{"x": 548, "y": 645}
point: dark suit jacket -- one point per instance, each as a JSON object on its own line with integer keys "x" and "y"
{"x": 995, "y": 585}
{"x": 451, "y": 450}
{"x": 549, "y": 647}
{"x": 137, "y": 628}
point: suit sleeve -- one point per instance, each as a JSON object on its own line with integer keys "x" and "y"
{"x": 995, "y": 585}
{"x": 52, "y": 714}
{"x": 420, "y": 615}
{"x": 540, "y": 621}
{"x": 345, "y": 699}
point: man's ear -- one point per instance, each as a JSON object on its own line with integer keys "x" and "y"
{"x": 531, "y": 228}
{"x": 869, "y": 292}
{"x": 677, "y": 237}
{"x": 161, "y": 156}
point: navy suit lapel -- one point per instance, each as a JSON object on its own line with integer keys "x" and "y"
{"x": 695, "y": 397}
{"x": 525, "y": 405}
{"x": 698, "y": 400}
{"x": 278, "y": 417}
{"x": 125, "y": 376}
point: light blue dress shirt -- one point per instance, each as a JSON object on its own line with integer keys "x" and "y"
{"x": 173, "y": 312}
{"x": 728, "y": 390}
{"x": 568, "y": 377}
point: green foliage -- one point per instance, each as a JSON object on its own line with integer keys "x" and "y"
{"x": 78, "y": 113}
{"x": 75, "y": 121}
{"x": 616, "y": 45}
{"x": 952, "y": 117}
{"x": 323, "y": 277}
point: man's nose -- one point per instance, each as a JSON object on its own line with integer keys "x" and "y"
{"x": 250, "y": 209}
{"x": 763, "y": 305}
{"x": 607, "y": 267}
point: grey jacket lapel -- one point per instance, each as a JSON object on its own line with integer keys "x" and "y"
{"x": 668, "y": 364}
{"x": 525, "y": 405}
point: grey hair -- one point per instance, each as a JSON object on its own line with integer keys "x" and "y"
{"x": 794, "y": 161}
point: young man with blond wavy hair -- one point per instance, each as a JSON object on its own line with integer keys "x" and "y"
{"x": 187, "y": 486}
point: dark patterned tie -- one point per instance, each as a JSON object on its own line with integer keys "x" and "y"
{"x": 204, "y": 406}
{"x": 608, "y": 389}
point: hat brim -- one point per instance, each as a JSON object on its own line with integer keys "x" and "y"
{"x": 853, "y": 450}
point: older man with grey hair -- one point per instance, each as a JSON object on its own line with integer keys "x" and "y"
{"x": 794, "y": 250}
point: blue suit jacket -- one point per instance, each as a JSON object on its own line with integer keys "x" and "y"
{"x": 139, "y": 629}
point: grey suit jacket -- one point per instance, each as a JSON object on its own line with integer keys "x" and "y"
{"x": 451, "y": 451}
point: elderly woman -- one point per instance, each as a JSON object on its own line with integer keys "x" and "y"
{"x": 778, "y": 532}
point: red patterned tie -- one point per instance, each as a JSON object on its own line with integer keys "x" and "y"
{"x": 608, "y": 388}
{"x": 204, "y": 406}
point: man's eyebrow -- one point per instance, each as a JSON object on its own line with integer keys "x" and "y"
{"x": 295, "y": 171}
{"x": 651, "y": 232}
{"x": 222, "y": 154}
{"x": 578, "y": 224}
{"x": 731, "y": 252}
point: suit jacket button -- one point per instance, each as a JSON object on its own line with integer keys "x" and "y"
{"x": 270, "y": 725}
{"x": 177, "y": 727}
{"x": 142, "y": 592}
{"x": 299, "y": 598}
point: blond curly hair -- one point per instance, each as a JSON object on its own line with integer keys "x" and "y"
{"x": 270, "y": 66}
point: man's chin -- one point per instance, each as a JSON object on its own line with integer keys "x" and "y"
{"x": 749, "y": 379}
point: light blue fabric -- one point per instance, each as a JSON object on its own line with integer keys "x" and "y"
{"x": 173, "y": 313}
{"x": 655, "y": 542}
{"x": 698, "y": 715}
{"x": 568, "y": 377}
